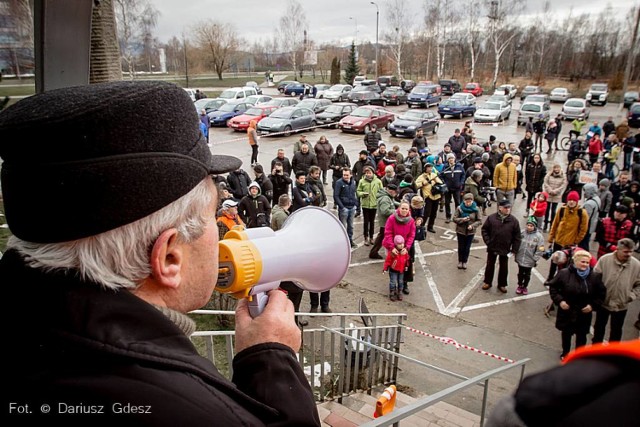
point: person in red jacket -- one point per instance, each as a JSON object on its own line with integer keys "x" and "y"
{"x": 539, "y": 208}
{"x": 610, "y": 230}
{"x": 595, "y": 148}
{"x": 395, "y": 263}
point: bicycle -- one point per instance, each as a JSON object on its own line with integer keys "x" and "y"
{"x": 565, "y": 142}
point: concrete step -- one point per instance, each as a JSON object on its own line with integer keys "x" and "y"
{"x": 358, "y": 408}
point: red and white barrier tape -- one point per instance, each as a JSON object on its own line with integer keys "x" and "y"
{"x": 457, "y": 345}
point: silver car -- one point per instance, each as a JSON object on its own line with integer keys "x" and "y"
{"x": 575, "y": 108}
{"x": 338, "y": 93}
{"x": 492, "y": 112}
{"x": 537, "y": 110}
{"x": 560, "y": 94}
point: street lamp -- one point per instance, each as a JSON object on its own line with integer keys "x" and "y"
{"x": 377, "y": 20}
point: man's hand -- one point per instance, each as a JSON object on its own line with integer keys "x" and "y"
{"x": 587, "y": 309}
{"x": 563, "y": 305}
{"x": 403, "y": 251}
{"x": 394, "y": 251}
{"x": 275, "y": 324}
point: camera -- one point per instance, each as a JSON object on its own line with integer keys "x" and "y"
{"x": 489, "y": 193}
{"x": 547, "y": 254}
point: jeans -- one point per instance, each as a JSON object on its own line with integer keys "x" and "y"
{"x": 602, "y": 318}
{"x": 395, "y": 281}
{"x": 464, "y": 246}
{"x": 324, "y": 299}
{"x": 346, "y": 218}
{"x": 369, "y": 222}
{"x": 509, "y": 195}
{"x": 491, "y": 268}
{"x": 455, "y": 195}
{"x": 524, "y": 276}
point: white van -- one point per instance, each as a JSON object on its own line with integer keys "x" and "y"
{"x": 358, "y": 80}
{"x": 237, "y": 93}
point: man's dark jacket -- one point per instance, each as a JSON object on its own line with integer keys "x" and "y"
{"x": 501, "y": 235}
{"x": 70, "y": 342}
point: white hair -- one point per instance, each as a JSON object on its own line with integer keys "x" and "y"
{"x": 119, "y": 258}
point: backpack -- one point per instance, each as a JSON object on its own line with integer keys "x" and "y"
{"x": 561, "y": 214}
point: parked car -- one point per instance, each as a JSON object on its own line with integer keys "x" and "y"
{"x": 321, "y": 88}
{"x": 408, "y": 123}
{"x": 284, "y": 83}
{"x": 506, "y": 89}
{"x": 424, "y": 95}
{"x": 536, "y": 110}
{"x": 540, "y": 97}
{"x": 287, "y": 120}
{"x": 334, "y": 113}
{"x": 283, "y": 102}
{"x": 361, "y": 119}
{"x": 386, "y": 81}
{"x": 254, "y": 85}
{"x": 530, "y": 90}
{"x": 407, "y": 85}
{"x": 338, "y": 92}
{"x": 575, "y": 108}
{"x": 209, "y": 104}
{"x": 633, "y": 115}
{"x": 598, "y": 94}
{"x": 456, "y": 107}
{"x": 315, "y": 105}
{"x": 237, "y": 93}
{"x": 500, "y": 98}
{"x": 630, "y": 97}
{"x": 464, "y": 96}
{"x": 227, "y": 112}
{"x": 359, "y": 79}
{"x": 473, "y": 88}
{"x": 297, "y": 89}
{"x": 492, "y": 112}
{"x": 395, "y": 95}
{"x": 257, "y": 113}
{"x": 366, "y": 97}
{"x": 559, "y": 94}
{"x": 450, "y": 86}
{"x": 258, "y": 99}
{"x": 371, "y": 85}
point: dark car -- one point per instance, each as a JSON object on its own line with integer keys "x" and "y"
{"x": 425, "y": 95}
{"x": 395, "y": 95}
{"x": 286, "y": 120}
{"x": 450, "y": 86}
{"x": 633, "y": 116}
{"x": 297, "y": 89}
{"x": 629, "y": 98}
{"x": 386, "y": 81}
{"x": 228, "y": 111}
{"x": 410, "y": 121}
{"x": 332, "y": 115}
{"x": 284, "y": 83}
{"x": 456, "y": 107}
{"x": 407, "y": 85}
{"x": 315, "y": 105}
{"x": 367, "y": 97}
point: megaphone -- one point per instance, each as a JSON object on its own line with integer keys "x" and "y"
{"x": 312, "y": 249}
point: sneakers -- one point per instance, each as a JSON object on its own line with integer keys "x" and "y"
{"x": 366, "y": 242}
{"x": 354, "y": 245}
{"x": 459, "y": 266}
{"x": 525, "y": 291}
{"x": 519, "y": 290}
{"x": 486, "y": 286}
{"x": 464, "y": 265}
{"x": 502, "y": 289}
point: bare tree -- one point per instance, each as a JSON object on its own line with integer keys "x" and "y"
{"x": 472, "y": 16}
{"x": 219, "y": 40}
{"x": 19, "y": 30}
{"x": 502, "y": 14}
{"x": 541, "y": 35}
{"x": 399, "y": 20}
{"x": 439, "y": 16}
{"x": 292, "y": 26}
{"x": 135, "y": 20}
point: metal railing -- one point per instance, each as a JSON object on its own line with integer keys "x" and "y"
{"x": 343, "y": 359}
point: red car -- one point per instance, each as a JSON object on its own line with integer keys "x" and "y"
{"x": 257, "y": 113}
{"x": 473, "y": 88}
{"x": 361, "y": 119}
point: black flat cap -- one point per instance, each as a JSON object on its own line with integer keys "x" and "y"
{"x": 83, "y": 160}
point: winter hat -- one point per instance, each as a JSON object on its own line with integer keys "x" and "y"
{"x": 606, "y": 182}
{"x": 365, "y": 152}
{"x": 573, "y": 195}
{"x": 581, "y": 253}
{"x": 366, "y": 168}
{"x": 532, "y": 220}
{"x": 476, "y": 174}
{"x": 254, "y": 184}
{"x": 93, "y": 153}
{"x": 392, "y": 186}
{"x": 505, "y": 203}
{"x": 468, "y": 196}
{"x": 229, "y": 203}
{"x": 545, "y": 194}
{"x": 451, "y": 156}
{"x": 417, "y": 202}
{"x": 477, "y": 160}
{"x": 398, "y": 240}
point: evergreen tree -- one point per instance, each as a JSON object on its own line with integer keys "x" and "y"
{"x": 353, "y": 69}
{"x": 335, "y": 71}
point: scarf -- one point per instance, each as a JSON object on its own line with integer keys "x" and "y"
{"x": 502, "y": 217}
{"x": 401, "y": 219}
{"x": 583, "y": 273}
{"x": 466, "y": 211}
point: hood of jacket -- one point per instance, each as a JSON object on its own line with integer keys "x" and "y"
{"x": 339, "y": 148}
{"x": 589, "y": 190}
{"x": 605, "y": 182}
{"x": 255, "y": 184}
{"x": 507, "y": 156}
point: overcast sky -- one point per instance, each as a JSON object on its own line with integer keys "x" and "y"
{"x": 329, "y": 20}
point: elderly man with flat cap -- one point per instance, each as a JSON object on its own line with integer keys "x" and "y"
{"x": 97, "y": 290}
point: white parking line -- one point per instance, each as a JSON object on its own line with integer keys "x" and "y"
{"x": 432, "y": 284}
{"x": 504, "y": 301}
{"x": 453, "y": 308}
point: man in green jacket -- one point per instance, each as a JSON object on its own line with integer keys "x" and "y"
{"x": 386, "y": 205}
{"x": 367, "y": 192}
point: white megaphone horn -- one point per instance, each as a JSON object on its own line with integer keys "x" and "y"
{"x": 312, "y": 249}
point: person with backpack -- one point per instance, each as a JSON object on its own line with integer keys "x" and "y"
{"x": 569, "y": 227}
{"x": 592, "y": 205}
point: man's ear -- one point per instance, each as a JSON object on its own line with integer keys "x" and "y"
{"x": 167, "y": 257}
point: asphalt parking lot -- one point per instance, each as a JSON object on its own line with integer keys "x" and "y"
{"x": 444, "y": 300}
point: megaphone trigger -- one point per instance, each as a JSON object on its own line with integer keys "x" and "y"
{"x": 254, "y": 261}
